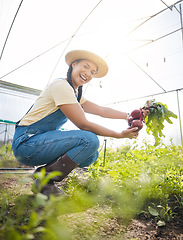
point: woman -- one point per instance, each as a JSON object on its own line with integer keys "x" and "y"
{"x": 38, "y": 139}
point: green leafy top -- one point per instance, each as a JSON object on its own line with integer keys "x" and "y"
{"x": 154, "y": 121}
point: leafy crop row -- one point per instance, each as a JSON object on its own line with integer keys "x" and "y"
{"x": 154, "y": 175}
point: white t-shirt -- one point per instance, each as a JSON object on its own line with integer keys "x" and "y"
{"x": 59, "y": 92}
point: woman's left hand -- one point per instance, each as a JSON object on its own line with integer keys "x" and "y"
{"x": 130, "y": 133}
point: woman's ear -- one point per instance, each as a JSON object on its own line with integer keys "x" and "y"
{"x": 74, "y": 64}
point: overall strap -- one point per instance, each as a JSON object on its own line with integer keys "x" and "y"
{"x": 16, "y": 124}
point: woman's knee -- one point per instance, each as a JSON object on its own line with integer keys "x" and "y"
{"x": 93, "y": 140}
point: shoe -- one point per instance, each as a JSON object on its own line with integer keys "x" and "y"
{"x": 63, "y": 164}
{"x": 50, "y": 188}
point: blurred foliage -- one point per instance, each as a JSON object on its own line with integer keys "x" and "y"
{"x": 133, "y": 180}
{"x": 7, "y": 158}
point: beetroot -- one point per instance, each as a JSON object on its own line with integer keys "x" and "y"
{"x": 136, "y": 114}
{"x": 130, "y": 121}
{"x": 137, "y": 123}
{"x": 136, "y": 119}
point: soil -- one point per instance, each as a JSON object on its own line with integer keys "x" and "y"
{"x": 143, "y": 228}
{"x": 112, "y": 228}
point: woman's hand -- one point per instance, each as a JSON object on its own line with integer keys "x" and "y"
{"x": 130, "y": 133}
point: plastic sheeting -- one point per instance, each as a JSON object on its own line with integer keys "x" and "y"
{"x": 142, "y": 42}
{"x": 14, "y": 104}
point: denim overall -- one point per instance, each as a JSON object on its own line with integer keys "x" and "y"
{"x": 43, "y": 142}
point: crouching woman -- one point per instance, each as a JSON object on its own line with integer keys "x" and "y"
{"x": 39, "y": 140}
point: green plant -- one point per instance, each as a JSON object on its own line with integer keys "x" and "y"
{"x": 162, "y": 213}
{"x": 152, "y": 173}
{"x": 43, "y": 179}
{"x": 155, "y": 120}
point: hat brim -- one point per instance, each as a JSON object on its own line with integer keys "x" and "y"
{"x": 74, "y": 55}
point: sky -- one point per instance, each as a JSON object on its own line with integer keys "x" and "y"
{"x": 141, "y": 42}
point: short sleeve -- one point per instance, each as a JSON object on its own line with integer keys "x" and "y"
{"x": 83, "y": 100}
{"x": 62, "y": 93}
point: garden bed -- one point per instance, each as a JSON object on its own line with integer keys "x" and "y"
{"x": 86, "y": 224}
{"x": 136, "y": 194}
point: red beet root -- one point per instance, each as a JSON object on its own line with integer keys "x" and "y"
{"x": 137, "y": 123}
{"x": 136, "y": 114}
{"x": 130, "y": 121}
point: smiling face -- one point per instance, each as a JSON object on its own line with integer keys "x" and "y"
{"x": 83, "y": 71}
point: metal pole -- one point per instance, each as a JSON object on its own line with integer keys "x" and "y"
{"x": 179, "y": 118}
{"x": 105, "y": 140}
{"x": 10, "y": 30}
{"x": 181, "y": 21}
{"x": 5, "y": 133}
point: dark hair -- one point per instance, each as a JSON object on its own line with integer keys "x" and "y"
{"x": 69, "y": 80}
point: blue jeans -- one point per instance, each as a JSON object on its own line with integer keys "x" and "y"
{"x": 33, "y": 146}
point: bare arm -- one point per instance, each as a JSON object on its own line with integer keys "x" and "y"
{"x": 76, "y": 114}
{"x": 105, "y": 112}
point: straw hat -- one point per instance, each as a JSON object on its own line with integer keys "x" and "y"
{"x": 82, "y": 54}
